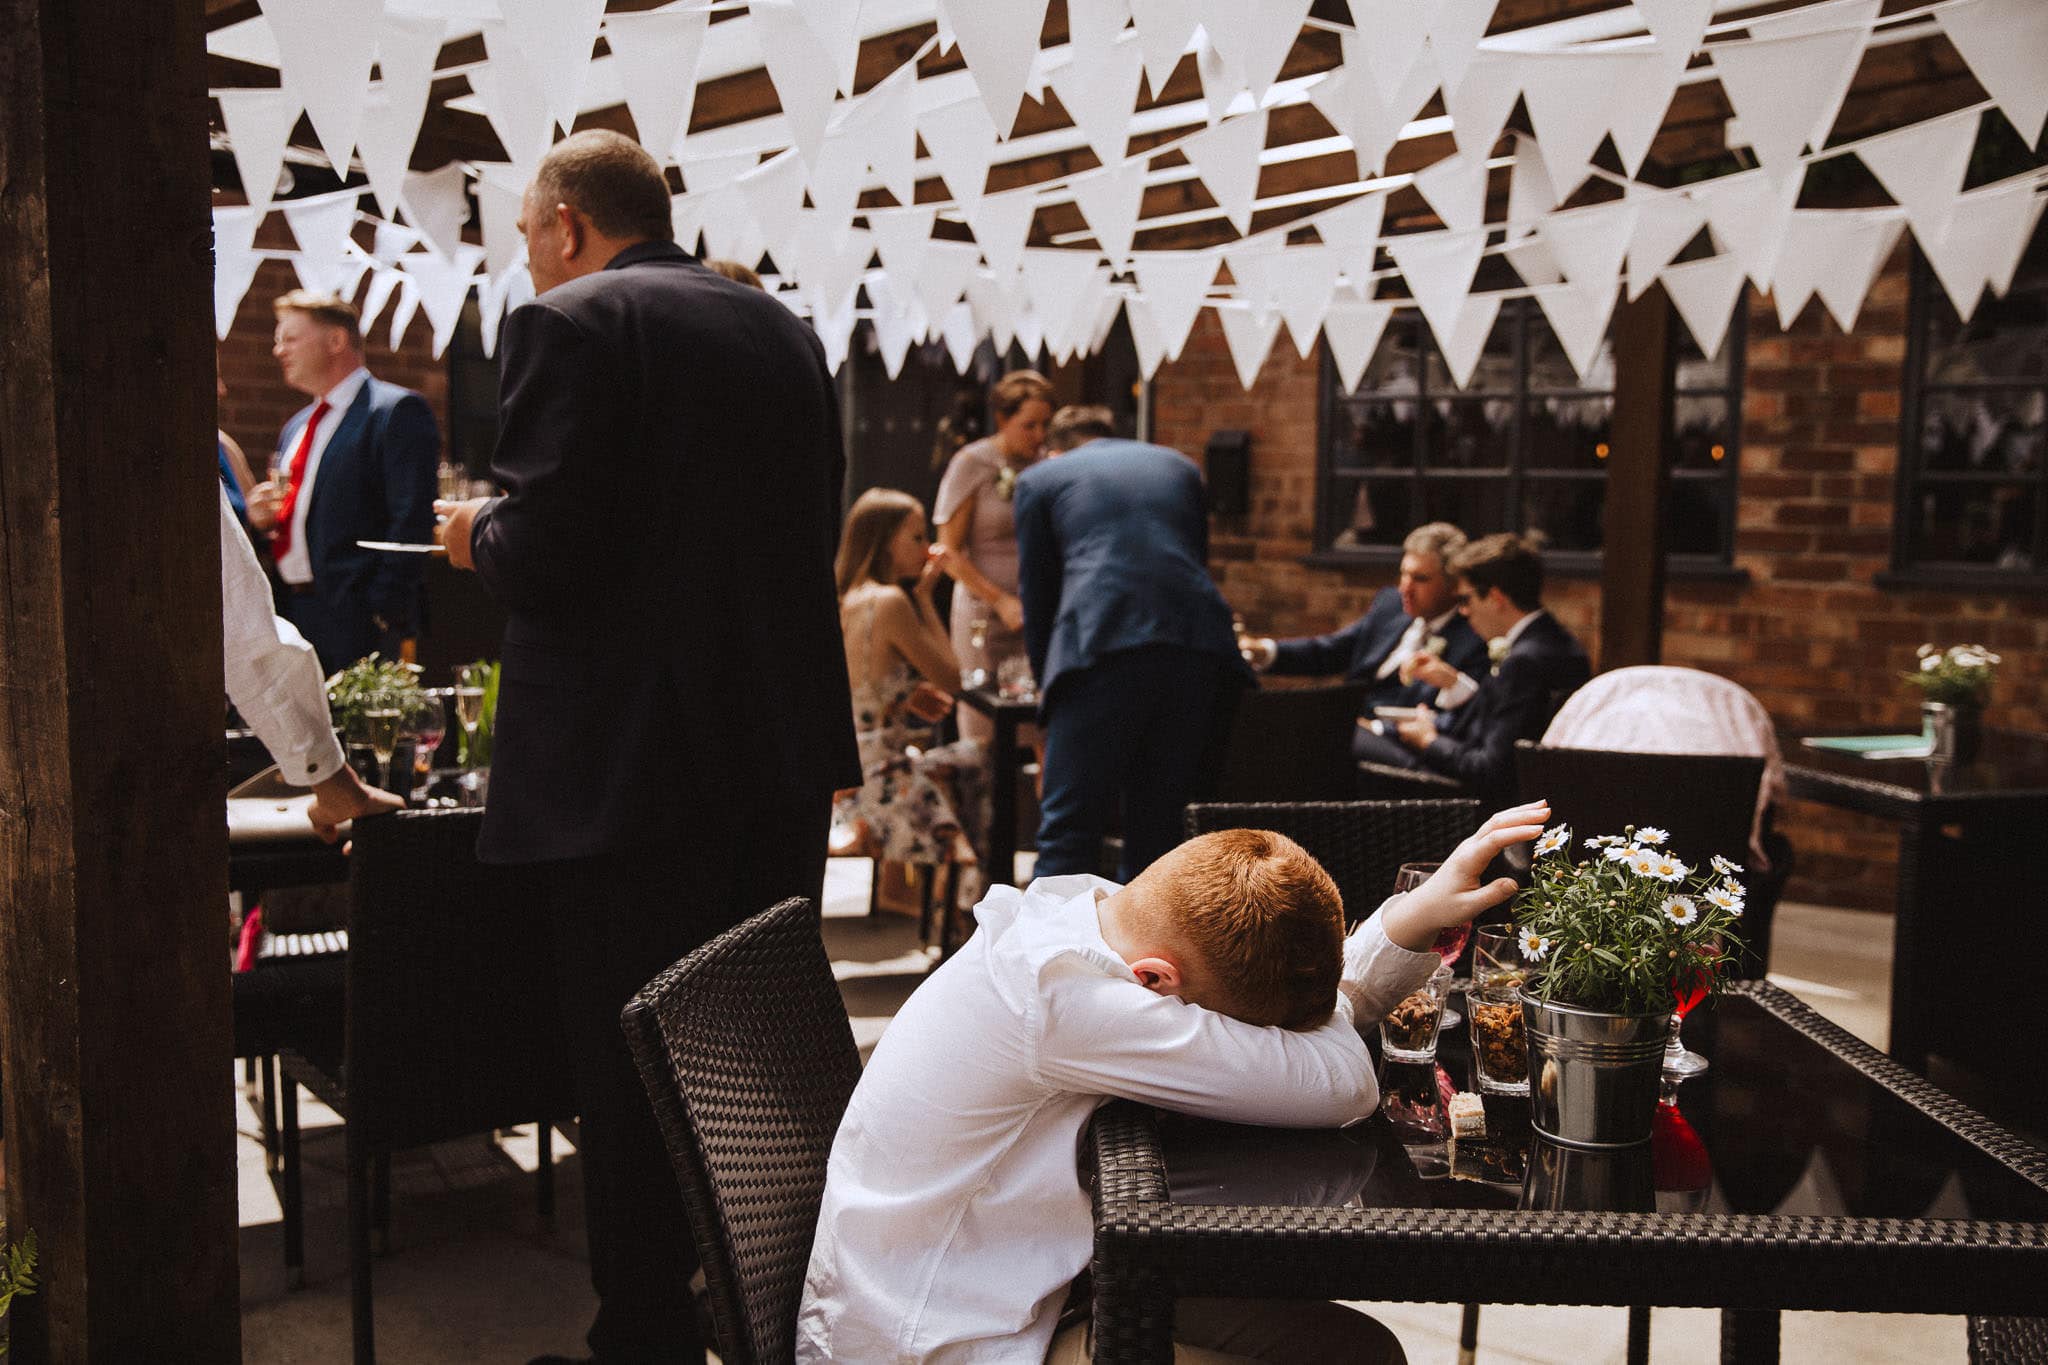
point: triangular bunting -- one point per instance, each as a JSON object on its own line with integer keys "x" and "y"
{"x": 994, "y": 309}
{"x": 1923, "y": 166}
{"x": 234, "y": 262}
{"x": 1984, "y": 242}
{"x": 774, "y": 194}
{"x": 1479, "y": 105}
{"x": 1455, "y": 28}
{"x": 322, "y": 228}
{"x": 1747, "y": 213}
{"x": 1456, "y": 188}
{"x": 1000, "y": 42}
{"x": 437, "y": 203}
{"x": 2005, "y": 43}
{"x": 961, "y": 139}
{"x": 1438, "y": 267}
{"x": 1254, "y": 262}
{"x": 1532, "y": 260}
{"x": 800, "y": 70}
{"x": 1861, "y": 242}
{"x": 407, "y": 47}
{"x": 402, "y": 310}
{"x": 1530, "y": 193}
{"x": 443, "y": 285}
{"x": 1227, "y": 158}
{"x": 1353, "y": 231}
{"x": 1109, "y": 200}
{"x": 836, "y": 180}
{"x": 1058, "y": 284}
{"x": 259, "y": 124}
{"x": 1380, "y": 113}
{"x": 1099, "y": 89}
{"x": 1164, "y": 28}
{"x": 1096, "y": 23}
{"x": 961, "y": 336}
{"x": 1704, "y": 293}
{"x": 708, "y": 173}
{"x": 1002, "y": 224}
{"x": 513, "y": 101}
{"x": 1249, "y": 337}
{"x": 656, "y": 54}
{"x": 1785, "y": 88}
{"x": 497, "y": 204}
{"x": 733, "y": 233}
{"x": 898, "y": 322}
{"x": 944, "y": 274}
{"x": 1590, "y": 243}
{"x": 1664, "y": 224}
{"x": 383, "y": 282}
{"x": 555, "y": 36}
{"x": 1221, "y": 81}
{"x": 1175, "y": 283}
{"x": 903, "y": 237}
{"x": 1145, "y": 338}
{"x": 1572, "y": 98}
{"x": 1396, "y": 31}
{"x": 1254, "y": 37}
{"x": 1302, "y": 292}
{"x": 1353, "y": 331}
{"x": 835, "y": 333}
{"x": 836, "y": 25}
{"x": 1467, "y": 339}
{"x": 324, "y": 52}
{"x": 1578, "y": 318}
{"x": 1679, "y": 26}
{"x": 888, "y": 116}
{"x": 1636, "y": 112}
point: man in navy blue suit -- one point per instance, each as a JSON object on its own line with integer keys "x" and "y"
{"x": 1538, "y": 663}
{"x": 357, "y": 464}
{"x": 1130, "y": 641}
{"x": 1384, "y": 648}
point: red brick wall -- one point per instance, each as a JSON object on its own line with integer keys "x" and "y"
{"x": 1809, "y": 633}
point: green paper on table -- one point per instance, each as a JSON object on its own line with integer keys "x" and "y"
{"x": 1872, "y": 746}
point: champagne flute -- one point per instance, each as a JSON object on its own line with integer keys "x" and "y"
{"x": 976, "y": 673}
{"x": 1449, "y": 942}
{"x": 1688, "y": 988}
{"x": 429, "y": 728}
{"x": 382, "y": 725}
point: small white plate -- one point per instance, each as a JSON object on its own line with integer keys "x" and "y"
{"x": 1397, "y": 712}
{"x": 401, "y": 548}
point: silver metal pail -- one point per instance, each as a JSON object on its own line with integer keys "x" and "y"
{"x": 1593, "y": 1076}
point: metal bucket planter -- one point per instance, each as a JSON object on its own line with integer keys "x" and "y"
{"x": 1593, "y": 1076}
{"x": 1955, "y": 730}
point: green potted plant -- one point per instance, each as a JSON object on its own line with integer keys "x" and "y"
{"x": 1618, "y": 945}
{"x": 17, "y": 1272}
{"x": 374, "y": 684}
{"x": 1954, "y": 684}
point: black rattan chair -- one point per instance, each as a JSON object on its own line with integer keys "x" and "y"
{"x": 2008, "y": 1341}
{"x": 1289, "y": 744}
{"x": 749, "y": 1060}
{"x": 1361, "y": 843}
{"x": 1706, "y": 801}
{"x": 451, "y": 1021}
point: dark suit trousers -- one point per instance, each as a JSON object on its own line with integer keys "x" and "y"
{"x": 339, "y": 634}
{"x": 619, "y": 919}
{"x": 1130, "y": 732}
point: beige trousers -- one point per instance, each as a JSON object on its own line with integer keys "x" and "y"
{"x": 1229, "y": 1331}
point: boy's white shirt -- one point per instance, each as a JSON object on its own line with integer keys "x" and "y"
{"x": 953, "y": 1217}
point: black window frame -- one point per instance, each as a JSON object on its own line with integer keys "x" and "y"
{"x": 1523, "y": 313}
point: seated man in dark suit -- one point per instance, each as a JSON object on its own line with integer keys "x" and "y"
{"x": 1500, "y": 591}
{"x": 1383, "y": 648}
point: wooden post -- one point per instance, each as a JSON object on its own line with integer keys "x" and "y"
{"x": 1638, "y": 483}
{"x": 113, "y": 925}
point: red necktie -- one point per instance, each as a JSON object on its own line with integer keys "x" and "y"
{"x": 281, "y": 537}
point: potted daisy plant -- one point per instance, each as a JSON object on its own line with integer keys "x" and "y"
{"x": 1619, "y": 943}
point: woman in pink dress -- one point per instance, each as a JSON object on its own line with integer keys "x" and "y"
{"x": 973, "y": 515}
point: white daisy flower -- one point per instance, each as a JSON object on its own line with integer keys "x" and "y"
{"x": 1650, "y": 834}
{"x": 1553, "y": 839}
{"x": 1930, "y": 662}
{"x": 1535, "y": 947}
{"x": 1724, "y": 867}
{"x": 1680, "y": 910}
{"x": 1604, "y": 841}
{"x": 1725, "y": 897}
{"x": 1644, "y": 862}
{"x": 1669, "y": 869}
{"x": 1621, "y": 853}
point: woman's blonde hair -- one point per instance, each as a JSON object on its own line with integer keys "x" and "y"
{"x": 1017, "y": 388}
{"x": 871, "y": 524}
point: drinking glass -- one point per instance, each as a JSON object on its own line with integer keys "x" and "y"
{"x": 1500, "y": 1045}
{"x": 1409, "y": 1032}
{"x": 382, "y": 727}
{"x": 1449, "y": 942}
{"x": 429, "y": 728}
{"x": 469, "y": 713}
{"x": 1013, "y": 679}
{"x": 453, "y": 480}
{"x": 976, "y": 672}
{"x": 1688, "y": 988}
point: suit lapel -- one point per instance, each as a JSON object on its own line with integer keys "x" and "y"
{"x": 340, "y": 447}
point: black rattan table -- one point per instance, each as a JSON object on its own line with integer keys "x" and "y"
{"x": 1804, "y": 1171}
{"x": 1007, "y": 762}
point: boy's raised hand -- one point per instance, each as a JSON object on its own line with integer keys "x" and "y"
{"x": 1455, "y": 894}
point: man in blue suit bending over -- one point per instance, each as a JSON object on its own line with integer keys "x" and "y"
{"x": 356, "y": 465}
{"x": 1129, "y": 639}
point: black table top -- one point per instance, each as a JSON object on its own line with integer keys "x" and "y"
{"x": 2011, "y": 765}
{"x": 1780, "y": 1124}
{"x": 992, "y": 703}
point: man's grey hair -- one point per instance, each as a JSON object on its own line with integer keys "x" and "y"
{"x": 1438, "y": 538}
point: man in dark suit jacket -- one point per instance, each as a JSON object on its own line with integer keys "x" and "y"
{"x": 1381, "y": 648}
{"x": 1500, "y": 590}
{"x": 673, "y": 716}
{"x": 1130, "y": 641}
{"x": 356, "y": 464}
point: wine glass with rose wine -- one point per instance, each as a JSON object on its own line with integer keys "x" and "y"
{"x": 1688, "y": 988}
{"x": 1449, "y": 942}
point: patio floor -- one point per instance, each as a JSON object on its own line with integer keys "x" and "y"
{"x": 473, "y": 1276}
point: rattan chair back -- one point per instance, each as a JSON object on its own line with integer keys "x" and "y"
{"x": 1291, "y": 744}
{"x": 1362, "y": 844}
{"x": 749, "y": 1060}
{"x": 1705, "y": 801}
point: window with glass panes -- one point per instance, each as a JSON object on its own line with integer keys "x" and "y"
{"x": 1523, "y": 447}
{"x": 1972, "y": 485}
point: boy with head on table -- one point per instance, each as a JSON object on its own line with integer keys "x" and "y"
{"x": 1220, "y": 982}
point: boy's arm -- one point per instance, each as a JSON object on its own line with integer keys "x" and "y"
{"x": 1378, "y": 972}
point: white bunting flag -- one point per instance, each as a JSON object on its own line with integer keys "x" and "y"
{"x": 1573, "y": 98}
{"x": 1394, "y": 32}
{"x": 1578, "y": 317}
{"x": 1352, "y": 230}
{"x": 1922, "y": 166}
{"x": 555, "y": 37}
{"x": 1164, "y": 30}
{"x": 801, "y": 71}
{"x": 686, "y": 213}
{"x": 1679, "y": 26}
{"x": 903, "y": 238}
{"x": 898, "y": 322}
{"x": 961, "y": 336}
{"x": 1665, "y": 223}
{"x": 994, "y": 309}
{"x": 835, "y": 332}
{"x": 389, "y": 241}
{"x": 1000, "y": 43}
{"x": 1096, "y": 23}
{"x": 888, "y": 116}
{"x": 1002, "y": 224}
{"x": 1748, "y": 213}
{"x": 829, "y": 269}
{"x": 437, "y": 203}
{"x": 774, "y": 194}
{"x": 1176, "y": 283}
{"x": 234, "y": 262}
{"x": 1058, "y": 285}
{"x": 259, "y": 124}
{"x": 1145, "y": 338}
{"x": 1530, "y": 193}
{"x": 1221, "y": 81}
{"x": 1531, "y": 258}
{"x": 1704, "y": 293}
{"x": 1099, "y": 88}
{"x": 1984, "y": 242}
{"x": 1250, "y": 336}
{"x": 1254, "y": 263}
{"x": 497, "y": 204}
{"x": 1589, "y": 243}
{"x": 836, "y": 25}
{"x": 1479, "y": 104}
{"x": 2005, "y": 43}
{"x": 1455, "y": 28}
{"x": 1380, "y": 113}
{"x": 1835, "y": 253}
{"x": 443, "y": 285}
{"x": 1783, "y": 89}
{"x": 321, "y": 226}
{"x": 1353, "y": 330}
{"x": 1109, "y": 199}
{"x": 1030, "y": 330}
{"x": 944, "y": 274}
{"x": 1227, "y": 158}
{"x": 961, "y": 139}
{"x": 1254, "y": 37}
{"x": 1438, "y": 267}
{"x": 406, "y": 303}
{"x": 407, "y": 47}
{"x": 656, "y": 54}
{"x": 384, "y": 281}
{"x": 836, "y": 181}
{"x": 497, "y": 296}
{"x": 324, "y": 52}
{"x": 733, "y": 233}
{"x": 1456, "y": 188}
{"x": 1302, "y": 291}
{"x": 716, "y": 172}
{"x": 514, "y": 101}
{"x": 1467, "y": 339}
{"x": 1636, "y": 113}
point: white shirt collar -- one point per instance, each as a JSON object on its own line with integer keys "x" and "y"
{"x": 1515, "y": 630}
{"x": 341, "y": 395}
{"x": 1437, "y": 623}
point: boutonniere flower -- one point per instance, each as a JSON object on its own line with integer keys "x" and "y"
{"x": 1435, "y": 646}
{"x": 1496, "y": 650}
{"x": 1006, "y": 483}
